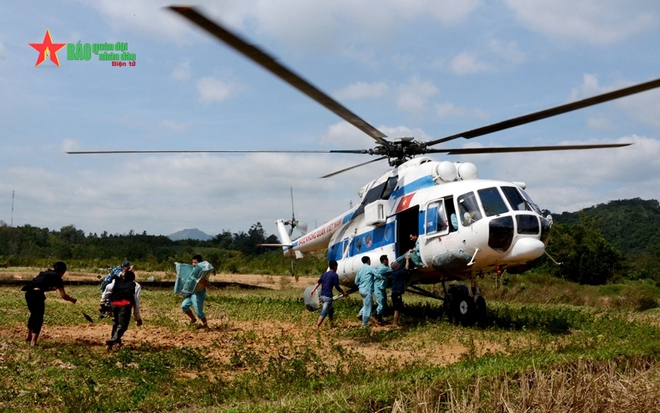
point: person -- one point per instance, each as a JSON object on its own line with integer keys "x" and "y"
{"x": 399, "y": 279}
{"x": 364, "y": 279}
{"x": 114, "y": 274}
{"x": 196, "y": 299}
{"x": 327, "y": 282}
{"x": 414, "y": 251}
{"x": 49, "y": 280}
{"x": 124, "y": 295}
{"x": 383, "y": 272}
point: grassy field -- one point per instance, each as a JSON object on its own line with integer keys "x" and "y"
{"x": 548, "y": 346}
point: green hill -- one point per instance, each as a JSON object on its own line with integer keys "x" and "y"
{"x": 630, "y": 225}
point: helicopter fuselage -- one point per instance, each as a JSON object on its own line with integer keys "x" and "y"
{"x": 465, "y": 225}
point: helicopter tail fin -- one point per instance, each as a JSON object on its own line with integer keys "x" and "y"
{"x": 284, "y": 237}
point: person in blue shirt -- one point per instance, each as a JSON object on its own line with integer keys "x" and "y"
{"x": 327, "y": 282}
{"x": 383, "y": 272}
{"x": 365, "y": 282}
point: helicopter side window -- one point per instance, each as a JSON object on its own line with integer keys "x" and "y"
{"x": 436, "y": 218}
{"x": 516, "y": 200}
{"x": 468, "y": 209}
{"x": 492, "y": 201}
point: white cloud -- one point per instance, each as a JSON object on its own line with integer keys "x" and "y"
{"x": 181, "y": 71}
{"x": 599, "y": 122}
{"x": 571, "y": 180}
{"x": 468, "y": 63}
{"x": 3, "y": 54}
{"x": 69, "y": 145}
{"x": 643, "y": 107}
{"x": 445, "y": 110}
{"x": 414, "y": 94}
{"x": 587, "y": 21}
{"x": 213, "y": 90}
{"x": 362, "y": 90}
{"x": 509, "y": 52}
{"x": 173, "y": 126}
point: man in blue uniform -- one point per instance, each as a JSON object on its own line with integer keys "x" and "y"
{"x": 383, "y": 272}
{"x": 327, "y": 282}
{"x": 365, "y": 282}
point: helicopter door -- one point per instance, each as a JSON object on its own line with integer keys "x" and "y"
{"x": 407, "y": 222}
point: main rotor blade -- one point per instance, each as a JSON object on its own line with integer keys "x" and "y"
{"x": 354, "y": 166}
{"x": 269, "y": 63}
{"x": 472, "y": 151}
{"x": 557, "y": 110}
{"x": 175, "y": 151}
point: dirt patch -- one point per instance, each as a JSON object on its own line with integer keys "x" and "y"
{"x": 219, "y": 341}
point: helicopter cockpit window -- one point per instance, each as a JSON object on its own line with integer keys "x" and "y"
{"x": 492, "y": 201}
{"x": 468, "y": 209}
{"x": 516, "y": 200}
{"x": 531, "y": 203}
{"x": 436, "y": 218}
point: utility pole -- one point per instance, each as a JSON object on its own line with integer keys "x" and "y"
{"x": 12, "y": 209}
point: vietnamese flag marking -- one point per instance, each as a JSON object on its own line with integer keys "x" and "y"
{"x": 47, "y": 48}
{"x": 405, "y": 202}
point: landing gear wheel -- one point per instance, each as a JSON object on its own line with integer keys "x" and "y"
{"x": 481, "y": 310}
{"x": 459, "y": 306}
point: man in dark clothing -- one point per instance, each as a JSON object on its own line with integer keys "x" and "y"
{"x": 328, "y": 280}
{"x": 49, "y": 280}
{"x": 124, "y": 295}
{"x": 399, "y": 279}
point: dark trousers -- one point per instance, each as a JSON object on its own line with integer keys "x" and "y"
{"x": 36, "y": 303}
{"x": 121, "y": 319}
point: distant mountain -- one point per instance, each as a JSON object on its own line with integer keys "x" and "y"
{"x": 631, "y": 225}
{"x": 193, "y": 233}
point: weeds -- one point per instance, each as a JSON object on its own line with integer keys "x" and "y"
{"x": 265, "y": 355}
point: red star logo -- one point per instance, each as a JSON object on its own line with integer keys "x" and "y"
{"x": 47, "y": 48}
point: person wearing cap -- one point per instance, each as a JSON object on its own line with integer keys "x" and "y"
{"x": 114, "y": 274}
{"x": 49, "y": 280}
{"x": 123, "y": 294}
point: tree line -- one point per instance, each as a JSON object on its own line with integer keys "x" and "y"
{"x": 227, "y": 252}
{"x": 605, "y": 243}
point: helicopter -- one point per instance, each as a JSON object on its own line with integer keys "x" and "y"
{"x": 466, "y": 227}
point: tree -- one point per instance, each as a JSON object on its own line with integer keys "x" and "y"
{"x": 586, "y": 256}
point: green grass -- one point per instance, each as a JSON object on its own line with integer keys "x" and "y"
{"x": 302, "y": 369}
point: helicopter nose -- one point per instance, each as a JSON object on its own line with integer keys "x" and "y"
{"x": 526, "y": 249}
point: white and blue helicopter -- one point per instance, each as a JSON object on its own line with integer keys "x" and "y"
{"x": 466, "y": 226}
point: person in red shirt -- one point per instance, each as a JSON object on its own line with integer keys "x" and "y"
{"x": 124, "y": 295}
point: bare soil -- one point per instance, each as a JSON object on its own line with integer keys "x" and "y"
{"x": 219, "y": 338}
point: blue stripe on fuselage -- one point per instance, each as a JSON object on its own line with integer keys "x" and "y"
{"x": 368, "y": 241}
{"x": 421, "y": 183}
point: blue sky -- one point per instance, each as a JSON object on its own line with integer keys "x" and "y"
{"x": 423, "y": 68}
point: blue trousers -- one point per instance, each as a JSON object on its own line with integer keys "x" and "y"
{"x": 381, "y": 300}
{"x": 195, "y": 300}
{"x": 367, "y": 304}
